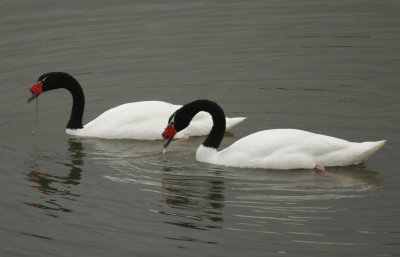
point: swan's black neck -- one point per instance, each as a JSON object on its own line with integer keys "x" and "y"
{"x": 185, "y": 114}
{"x": 55, "y": 80}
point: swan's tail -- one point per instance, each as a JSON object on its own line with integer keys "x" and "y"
{"x": 370, "y": 148}
{"x": 361, "y": 151}
{"x": 353, "y": 153}
{"x": 231, "y": 122}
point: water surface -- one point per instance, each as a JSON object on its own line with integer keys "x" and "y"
{"x": 329, "y": 67}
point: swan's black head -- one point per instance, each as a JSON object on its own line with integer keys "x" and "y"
{"x": 175, "y": 125}
{"x": 183, "y": 116}
{"x": 55, "y": 80}
{"x": 179, "y": 120}
{"x": 49, "y": 81}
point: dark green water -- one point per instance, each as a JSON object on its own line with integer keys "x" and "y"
{"x": 330, "y": 67}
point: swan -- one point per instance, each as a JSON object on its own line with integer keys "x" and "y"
{"x": 268, "y": 149}
{"x": 138, "y": 120}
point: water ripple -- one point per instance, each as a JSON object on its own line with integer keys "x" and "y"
{"x": 287, "y": 204}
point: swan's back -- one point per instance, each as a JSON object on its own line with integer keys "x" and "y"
{"x": 137, "y": 120}
{"x": 292, "y": 149}
{"x": 144, "y": 120}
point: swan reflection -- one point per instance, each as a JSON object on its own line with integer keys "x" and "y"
{"x": 359, "y": 174}
{"x": 45, "y": 177}
{"x": 191, "y": 197}
{"x": 185, "y": 195}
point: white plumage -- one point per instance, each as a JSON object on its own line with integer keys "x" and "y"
{"x": 144, "y": 121}
{"x": 288, "y": 149}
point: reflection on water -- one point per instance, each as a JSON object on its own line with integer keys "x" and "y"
{"x": 298, "y": 206}
{"x": 356, "y": 173}
{"x": 50, "y": 184}
{"x": 187, "y": 195}
{"x": 190, "y": 199}
{"x": 295, "y": 205}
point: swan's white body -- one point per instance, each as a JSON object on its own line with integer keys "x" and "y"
{"x": 144, "y": 121}
{"x": 288, "y": 149}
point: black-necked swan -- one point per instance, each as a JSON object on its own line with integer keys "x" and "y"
{"x": 138, "y": 120}
{"x": 268, "y": 149}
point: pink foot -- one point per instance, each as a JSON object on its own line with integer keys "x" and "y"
{"x": 185, "y": 136}
{"x": 319, "y": 168}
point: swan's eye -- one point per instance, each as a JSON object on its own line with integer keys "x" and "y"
{"x": 171, "y": 121}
